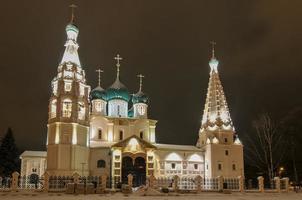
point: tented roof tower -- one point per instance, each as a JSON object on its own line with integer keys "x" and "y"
{"x": 216, "y": 115}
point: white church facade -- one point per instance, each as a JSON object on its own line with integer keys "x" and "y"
{"x": 91, "y": 132}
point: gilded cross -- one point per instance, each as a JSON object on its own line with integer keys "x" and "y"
{"x": 213, "y": 48}
{"x": 118, "y": 59}
{"x": 140, "y": 76}
{"x": 99, "y": 71}
{"x": 72, "y": 7}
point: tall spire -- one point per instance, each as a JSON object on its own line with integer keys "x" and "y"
{"x": 213, "y": 62}
{"x": 140, "y": 76}
{"x": 99, "y": 71}
{"x": 71, "y": 45}
{"x": 216, "y": 112}
{"x": 118, "y": 59}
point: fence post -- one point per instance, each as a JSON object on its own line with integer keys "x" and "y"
{"x": 286, "y": 180}
{"x": 241, "y": 183}
{"x": 152, "y": 180}
{"x": 14, "y": 184}
{"x": 130, "y": 180}
{"x": 175, "y": 183}
{"x": 46, "y": 182}
{"x": 220, "y": 183}
{"x": 277, "y": 182}
{"x": 260, "y": 183}
{"x": 76, "y": 178}
{"x": 103, "y": 181}
{"x": 198, "y": 180}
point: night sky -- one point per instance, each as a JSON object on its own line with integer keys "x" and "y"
{"x": 259, "y": 46}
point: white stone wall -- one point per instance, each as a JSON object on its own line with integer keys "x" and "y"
{"x": 99, "y": 154}
{"x": 215, "y": 154}
{"x": 183, "y": 160}
{"x": 111, "y": 128}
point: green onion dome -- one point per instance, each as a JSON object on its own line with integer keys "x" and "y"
{"x": 98, "y": 93}
{"x": 72, "y": 27}
{"x": 117, "y": 91}
{"x": 140, "y": 97}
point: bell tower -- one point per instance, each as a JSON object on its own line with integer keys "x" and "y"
{"x": 68, "y": 121}
{"x": 223, "y": 149}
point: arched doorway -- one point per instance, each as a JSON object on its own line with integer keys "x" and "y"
{"x": 139, "y": 177}
{"x": 136, "y": 168}
{"x": 127, "y": 168}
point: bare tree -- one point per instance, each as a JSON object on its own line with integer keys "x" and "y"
{"x": 264, "y": 148}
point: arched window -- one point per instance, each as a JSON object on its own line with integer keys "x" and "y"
{"x": 81, "y": 111}
{"x": 101, "y": 164}
{"x": 67, "y": 108}
{"x": 100, "y": 134}
{"x": 118, "y": 110}
{"x": 55, "y": 87}
{"x": 67, "y": 85}
{"x": 141, "y": 110}
{"x": 53, "y": 108}
{"x": 121, "y": 135}
{"x": 141, "y": 135}
{"x": 98, "y": 106}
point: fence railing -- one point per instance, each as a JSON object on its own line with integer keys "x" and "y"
{"x": 210, "y": 184}
{"x": 100, "y": 183}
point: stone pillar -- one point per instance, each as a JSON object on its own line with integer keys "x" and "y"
{"x": 130, "y": 180}
{"x": 198, "y": 181}
{"x": 241, "y": 183}
{"x": 14, "y": 183}
{"x": 46, "y": 182}
{"x": 76, "y": 178}
{"x": 277, "y": 182}
{"x": 261, "y": 183}
{"x": 286, "y": 185}
{"x": 220, "y": 183}
{"x": 103, "y": 181}
{"x": 175, "y": 183}
{"x": 152, "y": 180}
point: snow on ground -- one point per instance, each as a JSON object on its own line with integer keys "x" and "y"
{"x": 120, "y": 196}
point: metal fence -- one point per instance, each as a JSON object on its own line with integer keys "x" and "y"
{"x": 210, "y": 184}
{"x": 231, "y": 183}
{"x": 30, "y": 182}
{"x": 59, "y": 183}
{"x": 5, "y": 183}
{"x": 187, "y": 183}
{"x": 164, "y": 182}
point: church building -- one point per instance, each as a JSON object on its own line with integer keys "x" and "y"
{"x": 91, "y": 132}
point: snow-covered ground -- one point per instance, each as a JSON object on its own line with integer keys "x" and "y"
{"x": 117, "y": 196}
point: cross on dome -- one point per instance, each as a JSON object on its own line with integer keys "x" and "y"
{"x": 99, "y": 71}
{"x": 72, "y": 7}
{"x": 118, "y": 59}
{"x": 140, "y": 76}
{"x": 213, "y": 43}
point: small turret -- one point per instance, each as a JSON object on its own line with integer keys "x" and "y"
{"x": 98, "y": 97}
{"x": 140, "y": 101}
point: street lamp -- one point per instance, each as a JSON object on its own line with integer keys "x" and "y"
{"x": 281, "y": 170}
